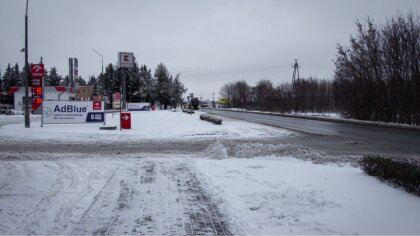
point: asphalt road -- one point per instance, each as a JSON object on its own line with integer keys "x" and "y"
{"x": 338, "y": 138}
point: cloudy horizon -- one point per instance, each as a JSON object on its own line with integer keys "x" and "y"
{"x": 208, "y": 42}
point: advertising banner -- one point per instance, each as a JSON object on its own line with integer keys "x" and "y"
{"x": 73, "y": 112}
{"x": 138, "y": 106}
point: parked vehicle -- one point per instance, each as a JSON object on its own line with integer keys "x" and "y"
{"x": 204, "y": 104}
{"x": 194, "y": 103}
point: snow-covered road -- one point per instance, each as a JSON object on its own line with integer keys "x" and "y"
{"x": 118, "y": 196}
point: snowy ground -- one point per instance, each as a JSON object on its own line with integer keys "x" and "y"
{"x": 145, "y": 126}
{"x": 231, "y": 187}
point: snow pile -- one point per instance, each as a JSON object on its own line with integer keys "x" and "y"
{"x": 215, "y": 151}
{"x": 222, "y": 150}
{"x": 249, "y": 150}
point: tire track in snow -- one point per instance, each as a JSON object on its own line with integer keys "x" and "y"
{"x": 77, "y": 229}
{"x": 159, "y": 196}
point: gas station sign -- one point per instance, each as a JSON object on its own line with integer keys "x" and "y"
{"x": 37, "y": 70}
{"x": 37, "y": 74}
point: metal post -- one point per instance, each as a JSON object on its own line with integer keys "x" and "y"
{"x": 102, "y": 74}
{"x": 148, "y": 90}
{"x": 124, "y": 98}
{"x": 42, "y": 97}
{"x": 27, "y": 119}
{"x": 120, "y": 109}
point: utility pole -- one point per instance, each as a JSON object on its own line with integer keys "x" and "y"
{"x": 295, "y": 73}
{"x": 27, "y": 119}
{"x": 213, "y": 104}
{"x": 294, "y": 99}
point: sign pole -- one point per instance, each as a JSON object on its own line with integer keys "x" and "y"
{"x": 124, "y": 98}
{"x": 125, "y": 62}
{"x": 104, "y": 112}
{"x": 120, "y": 111}
{"x": 27, "y": 117}
{"x": 42, "y": 103}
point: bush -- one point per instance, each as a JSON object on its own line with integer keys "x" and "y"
{"x": 400, "y": 173}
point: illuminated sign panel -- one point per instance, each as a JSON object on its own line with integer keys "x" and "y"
{"x": 37, "y": 74}
{"x": 36, "y": 90}
{"x": 73, "y": 112}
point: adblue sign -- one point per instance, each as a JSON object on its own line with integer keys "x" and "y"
{"x": 73, "y": 112}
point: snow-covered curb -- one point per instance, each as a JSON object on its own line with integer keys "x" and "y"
{"x": 329, "y": 119}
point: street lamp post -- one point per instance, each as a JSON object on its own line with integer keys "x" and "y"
{"x": 102, "y": 74}
{"x": 27, "y": 119}
{"x": 102, "y": 59}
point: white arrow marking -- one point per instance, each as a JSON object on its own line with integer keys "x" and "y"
{"x": 125, "y": 117}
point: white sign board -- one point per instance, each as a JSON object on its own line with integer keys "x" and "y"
{"x": 138, "y": 106}
{"x": 126, "y": 60}
{"x": 73, "y": 112}
{"x": 116, "y": 104}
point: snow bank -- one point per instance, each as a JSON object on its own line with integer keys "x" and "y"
{"x": 222, "y": 150}
{"x": 248, "y": 150}
{"x": 215, "y": 151}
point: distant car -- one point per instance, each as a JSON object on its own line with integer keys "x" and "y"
{"x": 204, "y": 104}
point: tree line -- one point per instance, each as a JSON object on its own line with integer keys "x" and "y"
{"x": 307, "y": 95}
{"x": 376, "y": 78}
{"x": 162, "y": 87}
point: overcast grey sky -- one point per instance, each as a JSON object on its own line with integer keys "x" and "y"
{"x": 208, "y": 42}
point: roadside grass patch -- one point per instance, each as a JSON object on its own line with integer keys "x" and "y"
{"x": 400, "y": 173}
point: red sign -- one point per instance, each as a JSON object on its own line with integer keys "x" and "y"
{"x": 125, "y": 120}
{"x": 116, "y": 96}
{"x": 37, "y": 70}
{"x": 97, "y": 105}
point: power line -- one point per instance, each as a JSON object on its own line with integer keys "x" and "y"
{"x": 232, "y": 70}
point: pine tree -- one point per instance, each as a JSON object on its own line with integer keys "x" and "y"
{"x": 162, "y": 87}
{"x": 52, "y": 78}
{"x": 179, "y": 89}
{"x": 80, "y": 81}
{"x": 105, "y": 81}
{"x": 65, "y": 81}
{"x": 7, "y": 77}
{"x": 133, "y": 84}
{"x": 93, "y": 82}
{"x": 17, "y": 77}
{"x": 147, "y": 84}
